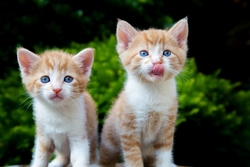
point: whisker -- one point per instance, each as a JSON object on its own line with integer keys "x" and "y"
{"x": 184, "y": 76}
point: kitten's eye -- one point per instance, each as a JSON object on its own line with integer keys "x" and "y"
{"x": 143, "y": 53}
{"x": 68, "y": 79}
{"x": 166, "y": 53}
{"x": 45, "y": 79}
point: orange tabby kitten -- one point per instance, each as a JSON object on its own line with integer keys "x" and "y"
{"x": 64, "y": 112}
{"x": 141, "y": 122}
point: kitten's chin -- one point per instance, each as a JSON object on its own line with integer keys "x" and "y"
{"x": 152, "y": 78}
{"x": 56, "y": 101}
{"x": 156, "y": 78}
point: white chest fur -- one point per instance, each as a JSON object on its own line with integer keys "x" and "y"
{"x": 65, "y": 125}
{"x": 148, "y": 97}
{"x": 60, "y": 120}
{"x": 151, "y": 104}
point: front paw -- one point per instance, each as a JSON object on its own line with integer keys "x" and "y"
{"x": 57, "y": 163}
{"x": 94, "y": 165}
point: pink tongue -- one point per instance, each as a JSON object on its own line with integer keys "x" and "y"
{"x": 158, "y": 69}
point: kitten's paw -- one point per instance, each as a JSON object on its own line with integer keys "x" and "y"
{"x": 56, "y": 163}
{"x": 166, "y": 165}
{"x": 94, "y": 165}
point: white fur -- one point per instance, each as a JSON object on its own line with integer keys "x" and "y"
{"x": 65, "y": 126}
{"x": 156, "y": 53}
{"x": 156, "y": 97}
{"x": 164, "y": 158}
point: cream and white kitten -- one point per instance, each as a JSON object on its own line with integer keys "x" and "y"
{"x": 141, "y": 123}
{"x": 64, "y": 112}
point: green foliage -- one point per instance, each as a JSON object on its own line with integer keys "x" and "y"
{"x": 213, "y": 112}
{"x": 25, "y": 23}
{"x": 16, "y": 125}
{"x": 217, "y": 113}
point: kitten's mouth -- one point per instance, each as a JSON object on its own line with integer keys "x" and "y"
{"x": 56, "y": 97}
{"x": 158, "y": 70}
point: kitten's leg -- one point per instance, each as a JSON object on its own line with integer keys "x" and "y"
{"x": 62, "y": 151}
{"x": 93, "y": 149}
{"x": 130, "y": 141}
{"x": 149, "y": 161}
{"x": 164, "y": 143}
{"x": 148, "y": 154}
{"x": 60, "y": 160}
{"x": 79, "y": 147}
{"x": 43, "y": 150}
{"x": 109, "y": 148}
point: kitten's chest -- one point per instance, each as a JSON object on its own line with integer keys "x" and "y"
{"x": 151, "y": 104}
{"x": 147, "y": 97}
{"x": 59, "y": 121}
{"x": 149, "y": 125}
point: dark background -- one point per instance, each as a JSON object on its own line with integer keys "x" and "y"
{"x": 219, "y": 35}
{"x": 219, "y": 38}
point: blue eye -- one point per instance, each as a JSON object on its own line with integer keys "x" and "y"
{"x": 68, "y": 79}
{"x": 45, "y": 79}
{"x": 143, "y": 53}
{"x": 167, "y": 53}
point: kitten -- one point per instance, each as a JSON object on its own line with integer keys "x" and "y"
{"x": 64, "y": 112}
{"x": 141, "y": 122}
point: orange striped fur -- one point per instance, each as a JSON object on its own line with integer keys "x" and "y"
{"x": 141, "y": 122}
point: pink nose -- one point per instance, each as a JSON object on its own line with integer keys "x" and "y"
{"x": 57, "y": 90}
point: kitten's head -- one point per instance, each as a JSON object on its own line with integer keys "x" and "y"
{"x": 55, "y": 77}
{"x": 152, "y": 55}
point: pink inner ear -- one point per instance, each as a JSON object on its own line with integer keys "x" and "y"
{"x": 85, "y": 60}
{"x": 26, "y": 60}
{"x": 87, "y": 63}
{"x": 124, "y": 34}
{"x": 24, "y": 64}
{"x": 182, "y": 37}
{"x": 180, "y": 32}
{"x": 123, "y": 40}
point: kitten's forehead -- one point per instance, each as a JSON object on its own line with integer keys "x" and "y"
{"x": 155, "y": 37}
{"x": 56, "y": 60}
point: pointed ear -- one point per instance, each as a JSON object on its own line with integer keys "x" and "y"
{"x": 180, "y": 33}
{"x": 26, "y": 60}
{"x": 124, "y": 34}
{"x": 85, "y": 60}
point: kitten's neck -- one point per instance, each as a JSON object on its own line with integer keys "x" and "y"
{"x": 60, "y": 119}
{"x": 168, "y": 86}
{"x": 150, "y": 96}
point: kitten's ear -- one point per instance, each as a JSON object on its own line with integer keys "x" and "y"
{"x": 26, "y": 60}
{"x": 180, "y": 33}
{"x": 85, "y": 60}
{"x": 124, "y": 34}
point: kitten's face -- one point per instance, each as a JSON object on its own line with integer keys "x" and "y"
{"x": 55, "y": 77}
{"x": 151, "y": 55}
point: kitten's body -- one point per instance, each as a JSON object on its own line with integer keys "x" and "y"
{"x": 141, "y": 121}
{"x": 64, "y": 112}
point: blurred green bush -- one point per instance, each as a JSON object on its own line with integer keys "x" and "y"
{"x": 213, "y": 123}
{"x": 16, "y": 123}
{"x": 213, "y": 128}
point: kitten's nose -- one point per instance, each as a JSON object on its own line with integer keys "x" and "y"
{"x": 57, "y": 90}
{"x": 157, "y": 60}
